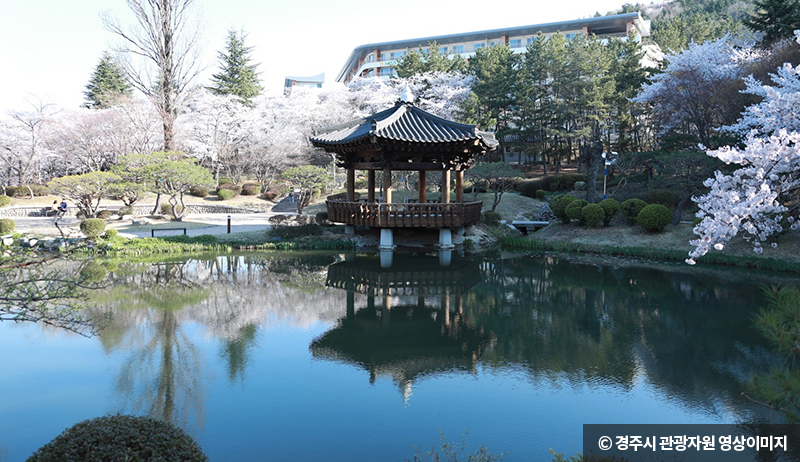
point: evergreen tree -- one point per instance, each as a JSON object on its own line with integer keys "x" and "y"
{"x": 237, "y": 75}
{"x": 777, "y": 19}
{"x": 430, "y": 60}
{"x": 108, "y": 84}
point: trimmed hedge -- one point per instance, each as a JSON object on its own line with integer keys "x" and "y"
{"x": 560, "y": 182}
{"x": 230, "y": 187}
{"x": 126, "y": 210}
{"x": 540, "y": 193}
{"x": 4, "y": 200}
{"x": 120, "y": 437}
{"x": 631, "y": 208}
{"x": 111, "y": 233}
{"x": 198, "y": 191}
{"x": 225, "y": 194}
{"x": 574, "y": 208}
{"x": 559, "y": 205}
{"x": 7, "y": 226}
{"x": 251, "y": 189}
{"x": 593, "y": 215}
{"x": 664, "y": 197}
{"x": 654, "y": 217}
{"x": 23, "y": 191}
{"x": 610, "y": 208}
{"x": 93, "y": 227}
{"x": 491, "y": 218}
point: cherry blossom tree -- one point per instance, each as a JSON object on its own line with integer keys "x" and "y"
{"x": 23, "y": 149}
{"x": 762, "y": 197}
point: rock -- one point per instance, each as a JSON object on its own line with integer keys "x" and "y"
{"x": 7, "y": 240}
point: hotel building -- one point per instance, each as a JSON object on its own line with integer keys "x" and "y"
{"x": 377, "y": 60}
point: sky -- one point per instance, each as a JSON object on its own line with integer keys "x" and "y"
{"x": 49, "y": 48}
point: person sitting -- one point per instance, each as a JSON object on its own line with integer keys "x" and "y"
{"x": 53, "y": 209}
{"x": 62, "y": 208}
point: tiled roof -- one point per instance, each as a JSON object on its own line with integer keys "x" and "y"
{"x": 404, "y": 122}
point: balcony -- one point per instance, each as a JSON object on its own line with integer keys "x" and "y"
{"x": 410, "y": 215}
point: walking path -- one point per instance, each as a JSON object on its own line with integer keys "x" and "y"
{"x": 211, "y": 223}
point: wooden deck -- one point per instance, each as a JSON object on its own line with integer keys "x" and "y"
{"x": 429, "y": 215}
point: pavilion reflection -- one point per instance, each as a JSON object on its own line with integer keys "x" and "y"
{"x": 413, "y": 324}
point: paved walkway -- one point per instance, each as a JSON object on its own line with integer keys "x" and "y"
{"x": 212, "y": 223}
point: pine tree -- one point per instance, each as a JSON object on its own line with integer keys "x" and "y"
{"x": 108, "y": 84}
{"x": 237, "y": 76}
{"x": 777, "y": 19}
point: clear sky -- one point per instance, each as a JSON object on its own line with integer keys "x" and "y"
{"x": 49, "y": 48}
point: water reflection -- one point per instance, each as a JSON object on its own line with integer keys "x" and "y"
{"x": 558, "y": 322}
{"x": 419, "y": 327}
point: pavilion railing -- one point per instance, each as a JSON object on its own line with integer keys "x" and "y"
{"x": 411, "y": 215}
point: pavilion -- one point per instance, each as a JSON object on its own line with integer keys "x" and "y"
{"x": 405, "y": 138}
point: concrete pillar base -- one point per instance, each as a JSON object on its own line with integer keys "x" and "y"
{"x": 446, "y": 239}
{"x": 387, "y": 239}
{"x": 386, "y": 258}
{"x": 445, "y": 257}
{"x": 349, "y": 230}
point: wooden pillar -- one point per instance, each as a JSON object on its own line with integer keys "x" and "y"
{"x": 351, "y": 184}
{"x": 422, "y": 186}
{"x": 387, "y": 185}
{"x": 385, "y": 311}
{"x": 459, "y": 186}
{"x": 445, "y": 186}
{"x": 371, "y": 186}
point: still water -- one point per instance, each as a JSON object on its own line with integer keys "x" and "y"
{"x": 347, "y": 357}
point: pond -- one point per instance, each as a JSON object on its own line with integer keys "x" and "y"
{"x": 357, "y": 357}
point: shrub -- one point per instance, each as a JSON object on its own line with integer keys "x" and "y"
{"x": 559, "y": 205}
{"x": 322, "y": 219}
{"x": 540, "y": 193}
{"x": 270, "y": 195}
{"x": 230, "y": 187}
{"x": 225, "y": 194}
{"x": 593, "y": 215}
{"x": 198, "y": 191}
{"x": 251, "y": 189}
{"x": 293, "y": 232}
{"x": 111, "y": 233}
{"x": 93, "y": 227}
{"x": 580, "y": 186}
{"x": 659, "y": 196}
{"x": 7, "y": 226}
{"x": 120, "y": 437}
{"x": 39, "y": 190}
{"x": 573, "y": 210}
{"x": 491, "y": 218}
{"x": 610, "y": 208}
{"x": 166, "y": 209}
{"x": 631, "y": 208}
{"x": 304, "y": 220}
{"x": 560, "y": 182}
{"x": 278, "y": 219}
{"x": 361, "y": 183}
{"x": 105, "y": 214}
{"x": 654, "y": 217}
{"x": 126, "y": 210}
{"x": 4, "y": 200}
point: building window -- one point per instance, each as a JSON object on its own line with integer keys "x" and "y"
{"x": 570, "y": 36}
{"x": 397, "y": 55}
{"x": 477, "y": 46}
{"x": 387, "y": 72}
{"x": 443, "y": 50}
{"x": 458, "y": 48}
{"x": 495, "y": 43}
{"x": 531, "y": 40}
{"x": 515, "y": 43}
{"x": 371, "y": 58}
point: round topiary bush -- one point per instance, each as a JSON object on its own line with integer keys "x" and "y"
{"x": 198, "y": 191}
{"x": 491, "y": 218}
{"x": 580, "y": 186}
{"x": 540, "y": 193}
{"x": 126, "y": 210}
{"x": 233, "y": 187}
{"x": 251, "y": 189}
{"x": 120, "y": 437}
{"x": 654, "y": 217}
{"x": 4, "y": 200}
{"x": 631, "y": 208}
{"x": 322, "y": 219}
{"x": 93, "y": 227}
{"x": 105, "y": 214}
{"x": 225, "y": 194}
{"x": 610, "y": 208}
{"x": 573, "y": 210}
{"x": 111, "y": 233}
{"x": 7, "y": 226}
{"x": 559, "y": 205}
{"x": 593, "y": 215}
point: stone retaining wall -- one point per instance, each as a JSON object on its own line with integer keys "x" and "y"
{"x": 21, "y": 212}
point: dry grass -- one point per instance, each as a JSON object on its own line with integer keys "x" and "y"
{"x": 238, "y": 201}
